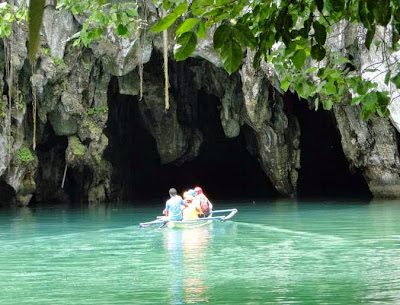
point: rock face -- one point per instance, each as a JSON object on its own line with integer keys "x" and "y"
{"x": 372, "y": 147}
{"x": 69, "y": 91}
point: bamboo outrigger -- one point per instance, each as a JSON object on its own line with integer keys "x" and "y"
{"x": 163, "y": 221}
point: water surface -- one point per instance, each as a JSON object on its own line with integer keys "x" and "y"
{"x": 271, "y": 253}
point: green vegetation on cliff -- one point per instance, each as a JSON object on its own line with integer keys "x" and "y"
{"x": 290, "y": 35}
{"x": 25, "y": 155}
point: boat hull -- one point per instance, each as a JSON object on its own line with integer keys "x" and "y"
{"x": 163, "y": 221}
{"x": 187, "y": 224}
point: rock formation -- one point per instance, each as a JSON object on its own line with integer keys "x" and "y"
{"x": 70, "y": 88}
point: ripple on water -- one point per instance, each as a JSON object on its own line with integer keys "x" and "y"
{"x": 269, "y": 254}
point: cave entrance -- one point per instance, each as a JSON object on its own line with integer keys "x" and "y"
{"x": 325, "y": 172}
{"x": 224, "y": 167}
{"x": 7, "y": 194}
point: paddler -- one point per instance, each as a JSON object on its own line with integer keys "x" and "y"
{"x": 174, "y": 206}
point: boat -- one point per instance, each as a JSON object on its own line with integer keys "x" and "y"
{"x": 163, "y": 221}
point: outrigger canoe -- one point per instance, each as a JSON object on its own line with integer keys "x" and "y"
{"x": 163, "y": 221}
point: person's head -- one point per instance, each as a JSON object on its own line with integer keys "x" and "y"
{"x": 185, "y": 195}
{"x": 192, "y": 192}
{"x": 198, "y": 190}
{"x": 172, "y": 192}
{"x": 189, "y": 198}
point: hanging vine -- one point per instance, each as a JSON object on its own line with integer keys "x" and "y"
{"x": 140, "y": 24}
{"x": 34, "y": 110}
{"x": 166, "y": 74}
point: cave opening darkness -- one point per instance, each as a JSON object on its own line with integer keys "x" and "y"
{"x": 325, "y": 172}
{"x": 224, "y": 168}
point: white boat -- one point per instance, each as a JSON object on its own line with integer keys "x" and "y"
{"x": 163, "y": 221}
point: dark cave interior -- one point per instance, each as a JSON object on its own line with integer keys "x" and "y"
{"x": 224, "y": 168}
{"x": 325, "y": 172}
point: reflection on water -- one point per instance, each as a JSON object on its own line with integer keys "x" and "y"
{"x": 271, "y": 253}
{"x": 188, "y": 251}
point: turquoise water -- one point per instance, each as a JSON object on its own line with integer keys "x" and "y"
{"x": 270, "y": 253}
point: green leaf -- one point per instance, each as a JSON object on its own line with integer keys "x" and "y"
{"x": 369, "y": 37}
{"x": 303, "y": 89}
{"x": 132, "y": 12}
{"x": 257, "y": 59}
{"x": 316, "y": 104}
{"x": 180, "y": 9}
{"x": 186, "y": 44}
{"x": 329, "y": 89}
{"x": 201, "y": 29}
{"x": 311, "y": 70}
{"x": 383, "y": 99}
{"x": 285, "y": 83}
{"x": 335, "y": 5}
{"x": 320, "y": 32}
{"x": 369, "y": 104}
{"x": 382, "y": 12}
{"x": 221, "y": 35}
{"x": 164, "y": 23}
{"x": 122, "y": 29}
{"x": 387, "y": 77}
{"x": 199, "y": 7}
{"x": 318, "y": 52}
{"x": 36, "y": 8}
{"x": 384, "y": 113}
{"x": 320, "y": 4}
{"x": 8, "y": 17}
{"x": 320, "y": 86}
{"x": 186, "y": 26}
{"x": 299, "y": 58}
{"x": 363, "y": 14}
{"x": 355, "y": 100}
{"x": 231, "y": 55}
{"x": 243, "y": 35}
{"x": 291, "y": 48}
{"x": 396, "y": 80}
{"x": 327, "y": 104}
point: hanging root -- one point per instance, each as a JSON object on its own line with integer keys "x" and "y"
{"x": 140, "y": 24}
{"x": 140, "y": 65}
{"x": 65, "y": 174}
{"x": 34, "y": 106}
{"x": 166, "y": 75}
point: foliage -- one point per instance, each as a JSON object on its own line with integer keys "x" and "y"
{"x": 97, "y": 110}
{"x": 288, "y": 34}
{"x": 101, "y": 14}
{"x": 3, "y": 107}
{"x": 10, "y": 14}
{"x": 25, "y": 155}
{"x": 77, "y": 147}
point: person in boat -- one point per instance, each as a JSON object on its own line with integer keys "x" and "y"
{"x": 174, "y": 206}
{"x": 193, "y": 208}
{"x": 202, "y": 200}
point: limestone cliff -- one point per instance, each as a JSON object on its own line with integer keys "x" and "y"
{"x": 68, "y": 95}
